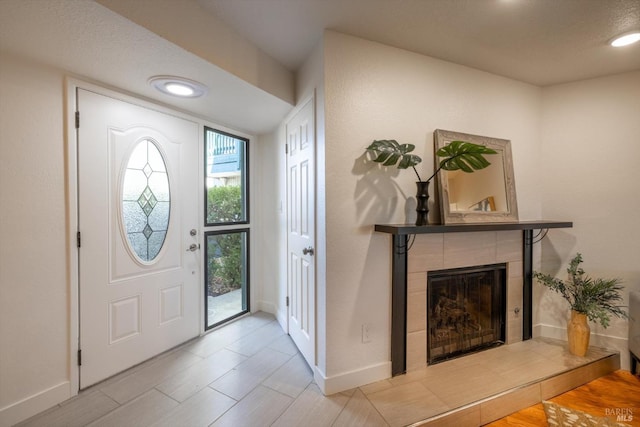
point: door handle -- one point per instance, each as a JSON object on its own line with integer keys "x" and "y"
{"x": 308, "y": 251}
{"x": 193, "y": 247}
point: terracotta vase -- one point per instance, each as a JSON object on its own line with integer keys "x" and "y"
{"x": 578, "y": 332}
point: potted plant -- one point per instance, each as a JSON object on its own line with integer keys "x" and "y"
{"x": 457, "y": 155}
{"x": 593, "y": 299}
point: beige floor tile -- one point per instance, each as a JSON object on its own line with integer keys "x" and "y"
{"x": 260, "y": 408}
{"x": 376, "y": 387}
{"x": 291, "y": 378}
{"x": 238, "y": 382}
{"x": 465, "y": 385}
{"x": 218, "y": 339}
{"x": 359, "y": 412}
{"x": 199, "y": 410}
{"x": 407, "y": 404}
{"x": 275, "y": 385}
{"x": 197, "y": 376}
{"x": 284, "y": 344}
{"x": 464, "y": 417}
{"x": 349, "y": 392}
{"x": 79, "y": 411}
{"x": 145, "y": 379}
{"x": 561, "y": 383}
{"x": 142, "y": 411}
{"x": 313, "y": 409}
{"x": 531, "y": 370}
{"x": 257, "y": 340}
{"x": 409, "y": 377}
{"x": 509, "y": 402}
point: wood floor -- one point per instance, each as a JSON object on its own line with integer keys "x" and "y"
{"x": 616, "y": 393}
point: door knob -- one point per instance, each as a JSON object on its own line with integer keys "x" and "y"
{"x": 193, "y": 247}
{"x": 308, "y": 251}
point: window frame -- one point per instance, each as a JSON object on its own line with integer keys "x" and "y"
{"x": 247, "y": 275}
{"x": 245, "y": 192}
{"x": 220, "y": 228}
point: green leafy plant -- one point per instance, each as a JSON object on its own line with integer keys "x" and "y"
{"x": 596, "y": 298}
{"x": 224, "y": 204}
{"x": 224, "y": 263}
{"x": 457, "y": 155}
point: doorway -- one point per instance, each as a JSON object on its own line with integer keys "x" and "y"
{"x": 301, "y": 300}
{"x": 137, "y": 239}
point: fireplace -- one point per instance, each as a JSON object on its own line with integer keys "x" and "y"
{"x": 433, "y": 254}
{"x": 419, "y": 250}
{"x": 466, "y": 310}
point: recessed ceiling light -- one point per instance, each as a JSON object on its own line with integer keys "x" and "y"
{"x": 178, "y": 86}
{"x": 626, "y": 39}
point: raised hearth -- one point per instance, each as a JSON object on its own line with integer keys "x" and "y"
{"x": 429, "y": 252}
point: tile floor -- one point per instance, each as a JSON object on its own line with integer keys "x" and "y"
{"x": 250, "y": 373}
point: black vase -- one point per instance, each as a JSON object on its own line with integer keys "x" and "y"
{"x": 422, "y": 199}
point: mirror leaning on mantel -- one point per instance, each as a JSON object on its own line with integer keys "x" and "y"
{"x": 486, "y": 195}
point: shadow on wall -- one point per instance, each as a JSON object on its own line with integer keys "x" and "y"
{"x": 556, "y": 250}
{"x": 377, "y": 195}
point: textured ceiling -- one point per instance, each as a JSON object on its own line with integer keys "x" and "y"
{"x": 87, "y": 40}
{"x": 537, "y": 41}
{"x": 542, "y": 42}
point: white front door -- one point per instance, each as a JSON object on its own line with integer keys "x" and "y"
{"x": 301, "y": 230}
{"x": 137, "y": 215}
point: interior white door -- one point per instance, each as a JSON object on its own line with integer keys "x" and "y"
{"x": 301, "y": 230}
{"x": 137, "y": 204}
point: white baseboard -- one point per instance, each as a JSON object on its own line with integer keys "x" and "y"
{"x": 32, "y": 405}
{"x": 267, "y": 307}
{"x": 352, "y": 379}
{"x": 281, "y": 317}
{"x": 598, "y": 340}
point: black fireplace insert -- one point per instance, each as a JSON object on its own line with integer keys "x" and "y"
{"x": 466, "y": 311}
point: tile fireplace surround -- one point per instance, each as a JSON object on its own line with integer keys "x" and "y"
{"x": 431, "y": 252}
{"x": 438, "y": 247}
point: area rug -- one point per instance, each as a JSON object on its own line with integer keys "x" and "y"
{"x": 561, "y": 416}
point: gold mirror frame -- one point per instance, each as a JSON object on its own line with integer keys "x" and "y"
{"x": 485, "y": 203}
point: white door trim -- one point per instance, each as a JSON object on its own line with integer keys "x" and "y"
{"x": 71, "y": 137}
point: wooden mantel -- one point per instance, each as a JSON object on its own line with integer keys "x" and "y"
{"x": 400, "y": 234}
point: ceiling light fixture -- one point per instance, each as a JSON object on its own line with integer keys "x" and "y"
{"x": 178, "y": 86}
{"x": 626, "y": 39}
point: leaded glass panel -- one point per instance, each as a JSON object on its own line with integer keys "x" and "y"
{"x": 146, "y": 201}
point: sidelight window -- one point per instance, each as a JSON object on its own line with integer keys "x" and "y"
{"x": 226, "y": 227}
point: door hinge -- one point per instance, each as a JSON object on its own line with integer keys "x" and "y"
{"x": 79, "y": 357}
{"x": 77, "y": 119}
{"x": 78, "y": 239}
{"x": 287, "y": 301}
{"x": 286, "y": 148}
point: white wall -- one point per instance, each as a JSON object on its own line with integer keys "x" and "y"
{"x": 372, "y": 92}
{"x": 590, "y": 175}
{"x": 36, "y": 369}
{"x": 34, "y": 287}
{"x": 269, "y": 224}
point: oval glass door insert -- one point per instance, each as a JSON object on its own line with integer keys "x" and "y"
{"x": 146, "y": 202}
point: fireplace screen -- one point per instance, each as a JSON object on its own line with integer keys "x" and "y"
{"x": 466, "y": 311}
